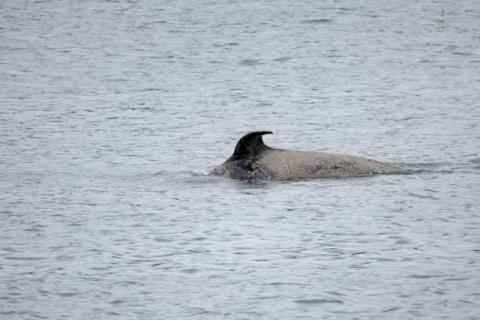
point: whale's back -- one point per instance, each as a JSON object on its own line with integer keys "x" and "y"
{"x": 291, "y": 164}
{"x": 252, "y": 159}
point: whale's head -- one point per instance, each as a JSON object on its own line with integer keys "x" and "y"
{"x": 241, "y": 164}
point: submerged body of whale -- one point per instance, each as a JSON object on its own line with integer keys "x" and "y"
{"x": 252, "y": 159}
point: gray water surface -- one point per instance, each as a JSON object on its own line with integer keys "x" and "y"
{"x": 112, "y": 113}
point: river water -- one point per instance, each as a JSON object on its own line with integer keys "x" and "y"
{"x": 113, "y": 112}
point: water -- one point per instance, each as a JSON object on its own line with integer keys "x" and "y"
{"x": 112, "y": 112}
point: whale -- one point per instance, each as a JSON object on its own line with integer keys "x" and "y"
{"x": 253, "y": 159}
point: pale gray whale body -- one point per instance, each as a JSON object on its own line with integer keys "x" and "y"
{"x": 252, "y": 159}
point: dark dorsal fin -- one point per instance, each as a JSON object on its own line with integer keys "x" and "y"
{"x": 249, "y": 145}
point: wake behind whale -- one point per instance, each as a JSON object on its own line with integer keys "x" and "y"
{"x": 252, "y": 159}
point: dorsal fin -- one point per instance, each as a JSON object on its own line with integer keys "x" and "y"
{"x": 249, "y": 145}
